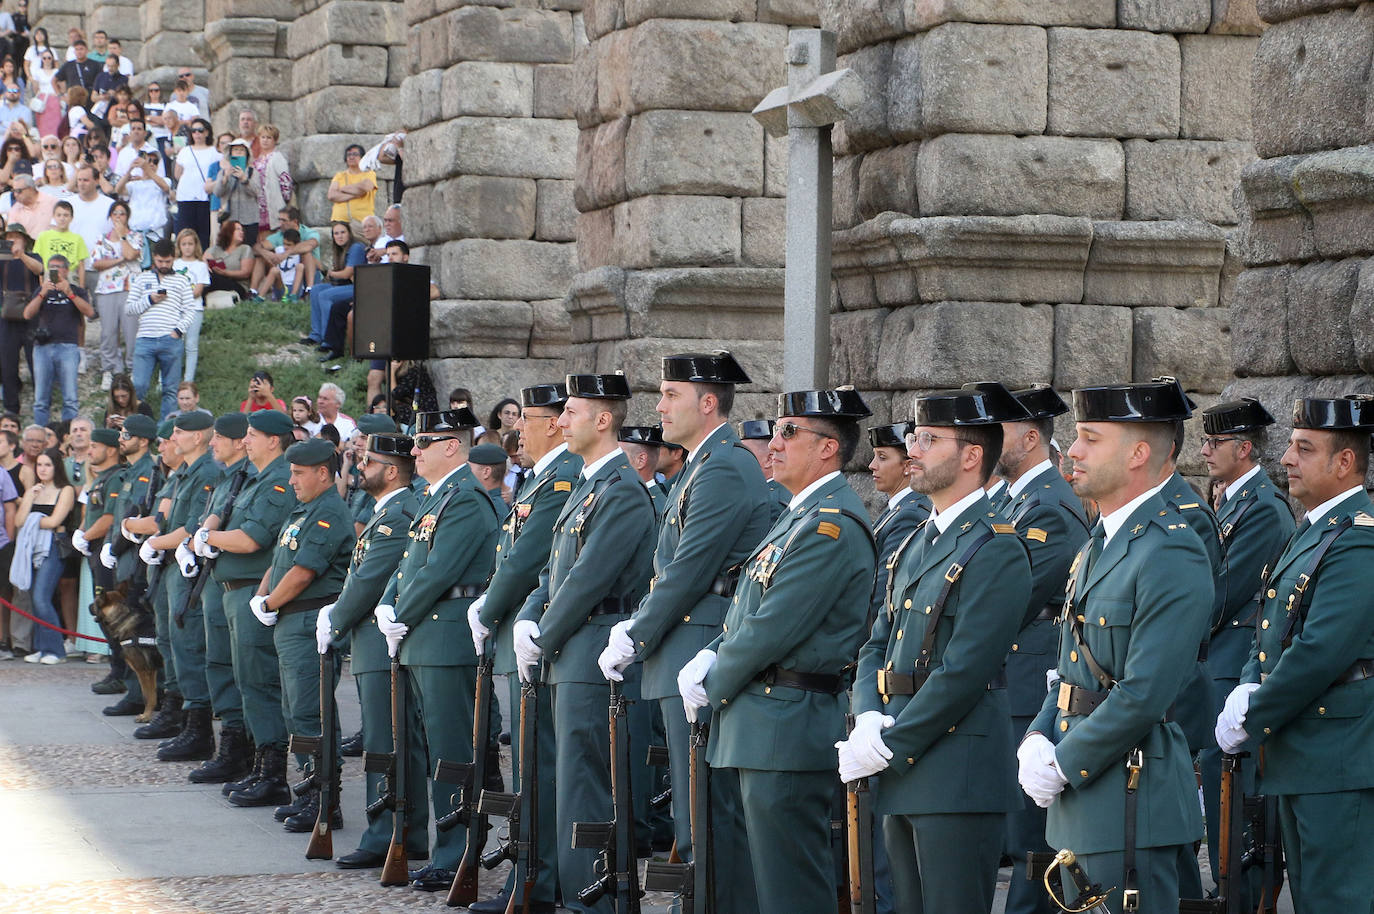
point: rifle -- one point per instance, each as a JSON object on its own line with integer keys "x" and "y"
{"x": 521, "y": 810}
{"x": 207, "y": 565}
{"x": 121, "y": 544}
{"x": 616, "y": 839}
{"x": 1230, "y": 847}
{"x": 693, "y": 882}
{"x": 395, "y": 870}
{"x": 321, "y": 776}
{"x": 1271, "y": 882}
{"x": 859, "y": 842}
{"x": 471, "y": 776}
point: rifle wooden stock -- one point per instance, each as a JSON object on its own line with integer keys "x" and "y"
{"x": 463, "y": 892}
{"x": 395, "y": 871}
{"x": 527, "y": 845}
{"x": 859, "y": 843}
{"x": 321, "y": 845}
{"x": 616, "y": 838}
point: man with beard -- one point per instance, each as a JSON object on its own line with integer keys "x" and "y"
{"x": 164, "y": 301}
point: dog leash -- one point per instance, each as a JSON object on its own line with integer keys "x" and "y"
{"x": 10, "y": 606}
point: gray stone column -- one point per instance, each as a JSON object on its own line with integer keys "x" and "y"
{"x": 170, "y": 32}
{"x": 245, "y": 48}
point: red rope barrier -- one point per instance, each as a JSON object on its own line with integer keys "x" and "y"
{"x": 10, "y": 606}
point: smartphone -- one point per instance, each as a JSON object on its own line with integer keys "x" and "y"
{"x": 238, "y": 161}
{"x": 179, "y": 141}
{"x": 52, "y": 275}
{"x": 161, "y": 291}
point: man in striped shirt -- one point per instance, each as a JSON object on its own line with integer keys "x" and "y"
{"x": 163, "y": 301}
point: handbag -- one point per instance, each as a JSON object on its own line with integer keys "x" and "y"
{"x": 38, "y": 103}
{"x": 14, "y": 301}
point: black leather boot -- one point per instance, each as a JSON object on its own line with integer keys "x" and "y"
{"x": 166, "y": 722}
{"x": 230, "y": 762}
{"x": 304, "y": 820}
{"x": 248, "y": 779}
{"x": 353, "y": 746}
{"x": 287, "y": 810}
{"x": 197, "y": 740}
{"x": 271, "y": 788}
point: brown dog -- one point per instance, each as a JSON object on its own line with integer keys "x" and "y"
{"x": 132, "y": 628}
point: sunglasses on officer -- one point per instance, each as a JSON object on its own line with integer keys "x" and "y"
{"x": 367, "y": 458}
{"x": 788, "y": 430}
{"x": 423, "y": 443}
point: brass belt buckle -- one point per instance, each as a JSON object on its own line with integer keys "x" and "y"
{"x": 1130, "y": 899}
{"x": 955, "y": 569}
{"x": 882, "y": 684}
{"x": 1135, "y": 760}
{"x": 1065, "y": 693}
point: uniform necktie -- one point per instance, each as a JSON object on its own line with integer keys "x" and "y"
{"x": 1099, "y": 542}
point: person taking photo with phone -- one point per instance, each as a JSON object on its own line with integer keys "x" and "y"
{"x": 55, "y": 315}
{"x": 164, "y": 301}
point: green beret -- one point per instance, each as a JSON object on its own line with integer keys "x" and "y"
{"x": 141, "y": 426}
{"x": 164, "y": 429}
{"x": 232, "y": 425}
{"x": 270, "y": 421}
{"x": 106, "y": 436}
{"x": 309, "y": 453}
{"x": 376, "y": 424}
{"x": 488, "y": 455}
{"x": 195, "y": 421}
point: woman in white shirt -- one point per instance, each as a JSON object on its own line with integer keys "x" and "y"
{"x": 53, "y": 181}
{"x": 47, "y": 118}
{"x": 147, "y": 192}
{"x": 34, "y": 55}
{"x": 191, "y": 262}
{"x": 192, "y": 172}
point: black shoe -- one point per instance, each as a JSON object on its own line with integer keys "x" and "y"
{"x": 125, "y": 707}
{"x": 109, "y": 686}
{"x": 494, "y": 905}
{"x": 242, "y": 783}
{"x": 433, "y": 879}
{"x": 305, "y": 820}
{"x": 233, "y": 760}
{"x": 353, "y": 746}
{"x": 196, "y": 742}
{"x": 322, "y": 347}
{"x": 287, "y": 810}
{"x": 270, "y": 789}
{"x": 309, "y": 341}
{"x": 363, "y": 860}
{"x": 166, "y": 722}
{"x": 503, "y": 739}
{"x": 330, "y": 355}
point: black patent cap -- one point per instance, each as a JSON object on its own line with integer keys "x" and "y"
{"x": 1353, "y": 411}
{"x": 840, "y": 403}
{"x": 551, "y": 396}
{"x": 1041, "y": 401}
{"x": 756, "y": 429}
{"x": 968, "y": 406}
{"x": 890, "y": 435}
{"x": 391, "y": 445}
{"x": 598, "y": 386}
{"x": 445, "y": 420}
{"x": 718, "y": 367}
{"x": 1153, "y": 401}
{"x": 641, "y": 434}
{"x": 1166, "y": 379}
{"x": 1243, "y": 415}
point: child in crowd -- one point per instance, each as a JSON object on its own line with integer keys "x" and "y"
{"x": 286, "y": 274}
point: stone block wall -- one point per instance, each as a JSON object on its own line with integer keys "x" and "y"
{"x": 1038, "y": 192}
{"x": 1304, "y": 301}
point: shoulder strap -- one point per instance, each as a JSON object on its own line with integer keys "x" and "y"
{"x": 1069, "y": 617}
{"x": 685, "y": 489}
{"x": 1023, "y": 507}
{"x": 817, "y": 511}
{"x": 897, "y": 557}
{"x": 1300, "y": 597}
{"x": 952, "y": 575}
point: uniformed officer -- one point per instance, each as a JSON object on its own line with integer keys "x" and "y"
{"x": 348, "y": 625}
{"x": 599, "y": 566}
{"x": 906, "y": 509}
{"x": 108, "y": 471}
{"x": 186, "y": 632}
{"x": 933, "y": 717}
{"x": 234, "y": 757}
{"x": 526, "y": 542}
{"x": 1306, "y": 698}
{"x": 1104, "y": 755}
{"x": 755, "y": 435}
{"x": 242, "y": 548}
{"x": 423, "y": 611}
{"x": 488, "y": 464}
{"x": 309, "y": 562}
{"x": 1255, "y": 524}
{"x": 718, "y": 512}
{"x": 1049, "y": 519}
{"x": 641, "y": 444}
{"x": 671, "y": 458}
{"x": 775, "y": 676}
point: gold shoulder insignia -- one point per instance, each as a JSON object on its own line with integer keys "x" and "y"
{"x": 1362, "y": 520}
{"x": 208, "y": 488}
{"x": 830, "y": 510}
{"x": 1003, "y": 528}
{"x": 562, "y": 485}
{"x": 826, "y": 528}
{"x": 1035, "y": 533}
{"x": 323, "y": 523}
{"x": 383, "y": 529}
{"x": 1191, "y": 504}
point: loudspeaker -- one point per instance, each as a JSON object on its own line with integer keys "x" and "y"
{"x": 391, "y": 311}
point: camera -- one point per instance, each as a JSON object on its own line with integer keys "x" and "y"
{"x": 42, "y": 335}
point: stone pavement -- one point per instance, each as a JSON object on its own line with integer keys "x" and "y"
{"x": 92, "y": 824}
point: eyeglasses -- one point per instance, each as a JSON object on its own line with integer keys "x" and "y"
{"x": 923, "y": 441}
{"x": 125, "y": 436}
{"x": 199, "y": 130}
{"x": 51, "y": 146}
{"x": 1212, "y": 442}
{"x": 184, "y": 76}
{"x": 788, "y": 430}
{"x": 367, "y": 458}
{"x": 424, "y": 443}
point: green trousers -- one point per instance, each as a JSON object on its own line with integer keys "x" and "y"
{"x": 926, "y": 876}
{"x": 1025, "y": 832}
{"x": 1328, "y": 842}
{"x": 1156, "y": 877}
{"x": 787, "y": 819}
{"x": 187, "y": 641}
{"x": 546, "y": 882}
{"x": 255, "y": 670}
{"x": 298, "y": 663}
{"x": 445, "y": 696}
{"x": 219, "y": 658}
{"x": 374, "y": 692}
{"x": 170, "y": 681}
{"x": 582, "y": 782}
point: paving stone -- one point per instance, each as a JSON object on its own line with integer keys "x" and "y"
{"x": 1113, "y": 83}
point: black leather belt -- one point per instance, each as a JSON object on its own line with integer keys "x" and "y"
{"x": 303, "y": 606}
{"x": 826, "y": 683}
{"x": 1202, "y": 652}
{"x": 462, "y": 592}
{"x": 1360, "y": 669}
{"x": 612, "y": 606}
{"x": 238, "y": 584}
{"x": 890, "y": 683}
{"x": 1049, "y": 613}
{"x": 1076, "y": 701}
{"x": 726, "y": 584}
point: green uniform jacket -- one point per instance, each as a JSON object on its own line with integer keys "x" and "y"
{"x": 1144, "y": 608}
{"x": 602, "y": 554}
{"x": 1317, "y": 737}
{"x": 1256, "y": 524}
{"x": 717, "y": 514}
{"x": 196, "y": 483}
{"x": 462, "y": 538}
{"x": 952, "y": 746}
{"x": 819, "y": 564}
{"x": 133, "y": 492}
{"x": 892, "y": 526}
{"x": 526, "y": 541}
{"x": 1194, "y": 711}
{"x": 101, "y": 499}
{"x": 375, "y": 557}
{"x": 781, "y": 498}
{"x": 658, "y": 496}
{"x": 318, "y": 536}
{"x": 1049, "y": 518}
{"x": 263, "y": 505}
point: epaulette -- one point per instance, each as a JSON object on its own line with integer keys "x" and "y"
{"x": 1035, "y": 533}
{"x": 1362, "y": 519}
{"x": 1003, "y": 528}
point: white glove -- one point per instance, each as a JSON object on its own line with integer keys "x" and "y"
{"x": 527, "y": 652}
{"x": 1051, "y": 679}
{"x": 259, "y": 607}
{"x": 864, "y": 752}
{"x": 620, "y": 650}
{"x": 79, "y": 542}
{"x": 480, "y": 632}
{"x": 202, "y": 545}
{"x": 1232, "y": 716}
{"x": 149, "y": 555}
{"x": 324, "y": 630}
{"x": 124, "y": 532}
{"x": 186, "y": 559}
{"x": 107, "y": 556}
{"x": 689, "y": 682}
{"x": 1038, "y": 771}
{"x": 392, "y": 630}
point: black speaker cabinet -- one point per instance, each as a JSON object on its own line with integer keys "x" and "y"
{"x": 391, "y": 311}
